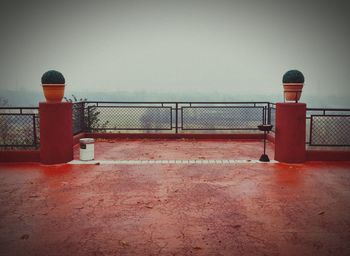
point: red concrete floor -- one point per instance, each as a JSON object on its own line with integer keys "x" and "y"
{"x": 149, "y": 149}
{"x": 174, "y": 209}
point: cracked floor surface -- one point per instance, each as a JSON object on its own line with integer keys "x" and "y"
{"x": 233, "y": 209}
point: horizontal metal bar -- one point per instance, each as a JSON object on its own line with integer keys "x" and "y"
{"x": 17, "y": 114}
{"x": 128, "y": 107}
{"x": 327, "y": 109}
{"x": 174, "y": 102}
{"x": 183, "y": 102}
{"x": 330, "y": 115}
{"x": 132, "y": 129}
{"x": 20, "y": 145}
{"x": 19, "y": 108}
{"x": 259, "y": 107}
{"x": 329, "y": 145}
{"x": 220, "y": 129}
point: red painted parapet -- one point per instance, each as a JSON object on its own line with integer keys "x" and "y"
{"x": 327, "y": 155}
{"x": 290, "y": 132}
{"x": 20, "y": 156}
{"x": 56, "y": 136}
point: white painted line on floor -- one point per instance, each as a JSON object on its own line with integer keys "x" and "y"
{"x": 201, "y": 161}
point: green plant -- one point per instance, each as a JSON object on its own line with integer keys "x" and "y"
{"x": 293, "y": 76}
{"x": 74, "y": 99}
{"x": 52, "y": 77}
{"x": 91, "y": 115}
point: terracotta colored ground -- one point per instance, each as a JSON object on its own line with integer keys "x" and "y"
{"x": 168, "y": 209}
{"x": 178, "y": 149}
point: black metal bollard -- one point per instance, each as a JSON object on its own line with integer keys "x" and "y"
{"x": 265, "y": 128}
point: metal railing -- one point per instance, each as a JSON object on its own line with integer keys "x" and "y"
{"x": 272, "y": 115}
{"x": 19, "y": 128}
{"x": 78, "y": 117}
{"x": 328, "y": 127}
{"x": 176, "y": 117}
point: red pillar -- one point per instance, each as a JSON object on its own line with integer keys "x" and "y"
{"x": 290, "y": 132}
{"x": 56, "y": 136}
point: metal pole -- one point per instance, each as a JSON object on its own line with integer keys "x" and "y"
{"x": 264, "y": 142}
{"x": 88, "y": 119}
{"x": 176, "y": 118}
{"x": 34, "y": 131}
{"x": 82, "y": 117}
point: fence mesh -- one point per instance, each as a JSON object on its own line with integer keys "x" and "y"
{"x": 129, "y": 118}
{"x": 19, "y": 130}
{"x": 330, "y": 130}
{"x": 222, "y": 118}
{"x": 273, "y": 118}
{"x": 78, "y": 117}
{"x": 20, "y": 127}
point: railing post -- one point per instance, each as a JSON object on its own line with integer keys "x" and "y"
{"x": 176, "y": 118}
{"x": 82, "y": 116}
{"x": 34, "y": 132}
{"x": 310, "y": 131}
{"x": 88, "y": 129}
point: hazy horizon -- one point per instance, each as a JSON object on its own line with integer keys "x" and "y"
{"x": 203, "y": 50}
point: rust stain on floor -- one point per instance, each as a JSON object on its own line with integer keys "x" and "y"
{"x": 241, "y": 209}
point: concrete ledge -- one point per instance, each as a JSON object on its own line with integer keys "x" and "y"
{"x": 20, "y": 156}
{"x": 236, "y": 136}
{"x": 327, "y": 155}
{"x": 199, "y": 161}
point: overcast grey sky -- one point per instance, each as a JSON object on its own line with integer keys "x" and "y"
{"x": 177, "y": 46}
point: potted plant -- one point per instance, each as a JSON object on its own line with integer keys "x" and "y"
{"x": 53, "y": 83}
{"x": 293, "y": 82}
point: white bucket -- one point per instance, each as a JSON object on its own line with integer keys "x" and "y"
{"x": 87, "y": 149}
